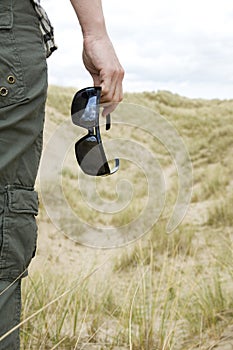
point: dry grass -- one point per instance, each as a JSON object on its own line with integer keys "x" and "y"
{"x": 169, "y": 292}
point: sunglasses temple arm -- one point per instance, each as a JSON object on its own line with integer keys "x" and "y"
{"x": 108, "y": 122}
{"x": 117, "y": 164}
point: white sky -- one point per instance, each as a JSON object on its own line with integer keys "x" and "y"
{"x": 185, "y": 46}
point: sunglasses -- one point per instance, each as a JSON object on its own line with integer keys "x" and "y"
{"x": 89, "y": 149}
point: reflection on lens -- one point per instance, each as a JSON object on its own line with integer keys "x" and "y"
{"x": 85, "y": 107}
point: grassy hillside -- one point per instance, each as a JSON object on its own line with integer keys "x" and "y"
{"x": 161, "y": 291}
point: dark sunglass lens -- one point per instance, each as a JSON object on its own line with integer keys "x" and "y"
{"x": 90, "y": 156}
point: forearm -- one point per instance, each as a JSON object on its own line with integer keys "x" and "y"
{"x": 99, "y": 56}
{"x": 90, "y": 16}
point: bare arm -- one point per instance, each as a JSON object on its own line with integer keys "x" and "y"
{"x": 99, "y": 56}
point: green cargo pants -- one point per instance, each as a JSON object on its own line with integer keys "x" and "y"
{"x": 23, "y": 89}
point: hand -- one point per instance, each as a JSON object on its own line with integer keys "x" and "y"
{"x": 100, "y": 60}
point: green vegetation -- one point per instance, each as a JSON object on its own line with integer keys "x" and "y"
{"x": 162, "y": 292}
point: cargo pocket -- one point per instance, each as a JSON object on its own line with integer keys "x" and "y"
{"x": 19, "y": 233}
{"x": 12, "y": 88}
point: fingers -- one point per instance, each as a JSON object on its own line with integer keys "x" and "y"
{"x": 108, "y": 109}
{"x": 111, "y": 83}
{"x": 112, "y": 91}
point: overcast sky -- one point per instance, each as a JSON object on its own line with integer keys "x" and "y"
{"x": 185, "y": 46}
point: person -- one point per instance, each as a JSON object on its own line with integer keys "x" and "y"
{"x": 23, "y": 89}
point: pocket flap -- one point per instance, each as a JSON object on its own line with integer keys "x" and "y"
{"x": 6, "y": 15}
{"x": 23, "y": 201}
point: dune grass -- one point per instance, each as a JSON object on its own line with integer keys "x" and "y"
{"x": 162, "y": 292}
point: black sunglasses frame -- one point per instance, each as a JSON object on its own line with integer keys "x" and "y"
{"x": 89, "y": 149}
